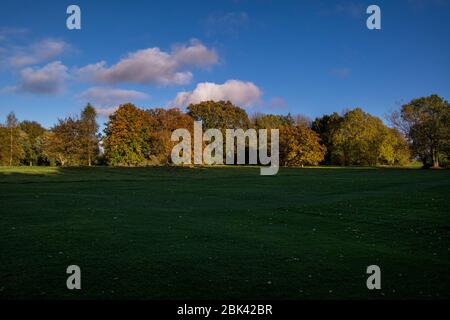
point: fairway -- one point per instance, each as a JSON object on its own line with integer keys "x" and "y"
{"x": 219, "y": 233}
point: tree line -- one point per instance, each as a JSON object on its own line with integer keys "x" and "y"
{"x": 419, "y": 130}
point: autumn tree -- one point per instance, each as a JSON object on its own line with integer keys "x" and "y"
{"x": 4, "y": 145}
{"x": 300, "y": 146}
{"x": 63, "y": 143}
{"x": 89, "y": 137}
{"x": 164, "y": 122}
{"x": 128, "y": 136}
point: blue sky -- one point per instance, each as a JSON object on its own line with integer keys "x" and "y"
{"x": 308, "y": 57}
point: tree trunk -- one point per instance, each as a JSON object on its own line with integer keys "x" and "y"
{"x": 435, "y": 160}
{"x": 89, "y": 153}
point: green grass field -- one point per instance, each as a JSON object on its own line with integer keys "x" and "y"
{"x": 218, "y": 233}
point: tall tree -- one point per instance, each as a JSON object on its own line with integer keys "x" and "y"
{"x": 89, "y": 128}
{"x": 426, "y": 122}
{"x": 12, "y": 124}
{"x": 11, "y": 141}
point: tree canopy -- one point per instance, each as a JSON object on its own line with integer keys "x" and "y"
{"x": 139, "y": 137}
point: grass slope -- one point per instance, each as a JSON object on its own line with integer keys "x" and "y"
{"x": 158, "y": 233}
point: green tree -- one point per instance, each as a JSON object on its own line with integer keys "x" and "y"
{"x": 271, "y": 121}
{"x": 363, "y": 139}
{"x": 89, "y": 137}
{"x": 426, "y": 122}
{"x": 358, "y": 139}
{"x": 11, "y": 147}
{"x": 33, "y": 131}
{"x": 219, "y": 115}
{"x": 325, "y": 127}
{"x": 394, "y": 149}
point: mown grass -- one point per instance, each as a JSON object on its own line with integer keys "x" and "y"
{"x": 218, "y": 233}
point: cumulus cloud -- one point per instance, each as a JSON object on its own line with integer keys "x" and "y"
{"x": 107, "y": 99}
{"x": 38, "y": 52}
{"x": 46, "y": 80}
{"x": 241, "y": 93}
{"x": 152, "y": 66}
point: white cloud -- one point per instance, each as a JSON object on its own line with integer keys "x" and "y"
{"x": 152, "y": 66}
{"x": 107, "y": 100}
{"x": 38, "y": 52}
{"x": 46, "y": 80}
{"x": 106, "y": 112}
{"x": 241, "y": 93}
